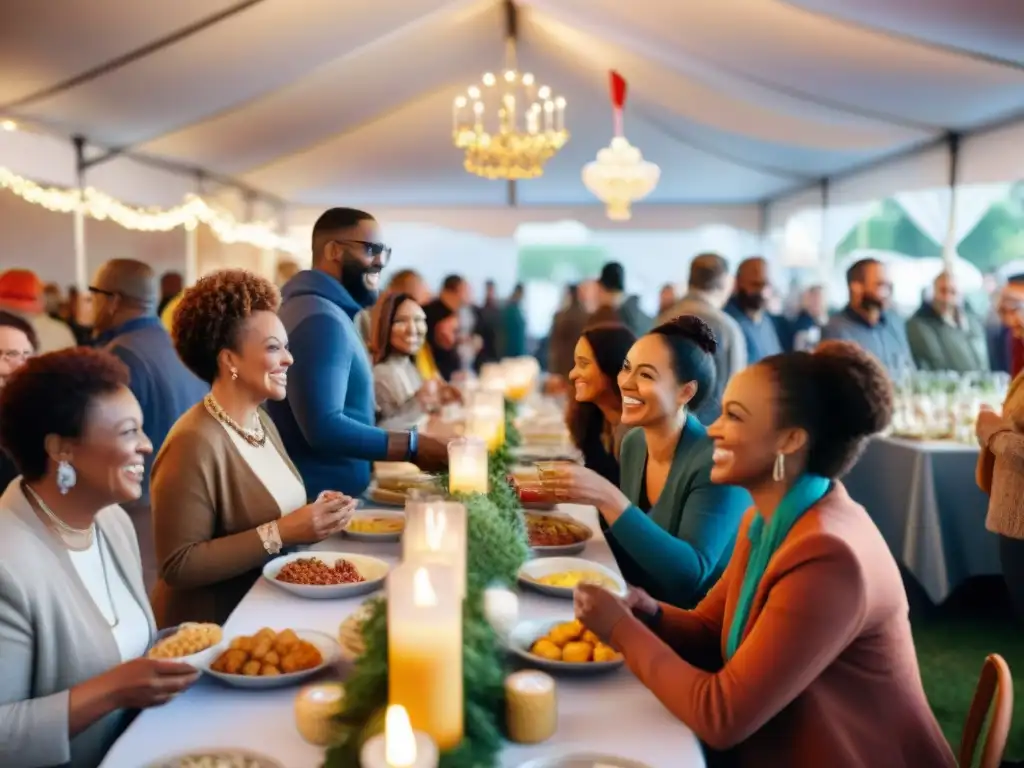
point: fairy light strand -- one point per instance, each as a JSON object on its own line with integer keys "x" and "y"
{"x": 189, "y": 215}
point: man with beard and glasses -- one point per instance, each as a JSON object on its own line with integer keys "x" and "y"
{"x": 327, "y": 421}
{"x": 747, "y": 307}
{"x": 867, "y": 321}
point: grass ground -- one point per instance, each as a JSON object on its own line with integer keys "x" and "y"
{"x": 953, "y": 641}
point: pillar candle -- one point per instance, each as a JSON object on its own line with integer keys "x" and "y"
{"x": 467, "y": 465}
{"x": 316, "y": 711}
{"x": 531, "y": 708}
{"x": 425, "y": 649}
{"x": 435, "y": 532}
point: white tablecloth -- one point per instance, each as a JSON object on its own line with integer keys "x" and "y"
{"x": 612, "y": 714}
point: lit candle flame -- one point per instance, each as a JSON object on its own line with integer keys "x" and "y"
{"x": 399, "y": 740}
{"x": 422, "y": 590}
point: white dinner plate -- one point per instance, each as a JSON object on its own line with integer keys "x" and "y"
{"x": 327, "y": 645}
{"x": 197, "y": 660}
{"x": 588, "y": 760}
{"x": 526, "y": 633}
{"x": 533, "y": 570}
{"x": 561, "y": 549}
{"x": 216, "y": 758}
{"x": 371, "y": 569}
{"x": 389, "y": 514}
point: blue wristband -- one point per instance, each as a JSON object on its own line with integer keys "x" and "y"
{"x": 414, "y": 445}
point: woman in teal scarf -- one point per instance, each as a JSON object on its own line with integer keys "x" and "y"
{"x": 801, "y": 655}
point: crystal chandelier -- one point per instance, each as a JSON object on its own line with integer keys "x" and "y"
{"x": 620, "y": 176}
{"x": 509, "y": 126}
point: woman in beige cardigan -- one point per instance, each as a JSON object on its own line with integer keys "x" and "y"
{"x": 225, "y": 495}
{"x": 1001, "y": 475}
{"x": 74, "y": 619}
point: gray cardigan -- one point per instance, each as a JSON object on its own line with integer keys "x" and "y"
{"x": 53, "y": 637}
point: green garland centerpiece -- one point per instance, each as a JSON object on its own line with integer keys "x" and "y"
{"x": 496, "y": 549}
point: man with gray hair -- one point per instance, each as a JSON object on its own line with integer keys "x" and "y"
{"x": 707, "y": 292}
{"x": 125, "y": 295}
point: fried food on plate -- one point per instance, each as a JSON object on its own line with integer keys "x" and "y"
{"x": 268, "y": 653}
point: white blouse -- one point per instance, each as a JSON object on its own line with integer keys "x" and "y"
{"x": 132, "y": 630}
{"x": 272, "y": 470}
{"x": 395, "y": 384}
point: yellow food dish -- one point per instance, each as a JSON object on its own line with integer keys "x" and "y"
{"x": 573, "y": 643}
{"x": 569, "y": 580}
{"x": 188, "y": 640}
{"x": 376, "y": 525}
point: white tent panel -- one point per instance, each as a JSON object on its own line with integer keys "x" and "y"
{"x": 993, "y": 156}
{"x": 993, "y": 28}
{"x": 736, "y": 100}
{"x": 926, "y": 169}
{"x": 353, "y": 90}
{"x": 40, "y": 47}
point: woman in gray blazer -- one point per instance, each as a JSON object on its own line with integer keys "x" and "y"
{"x": 74, "y": 619}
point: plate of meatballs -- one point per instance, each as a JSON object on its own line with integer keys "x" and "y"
{"x": 274, "y": 658}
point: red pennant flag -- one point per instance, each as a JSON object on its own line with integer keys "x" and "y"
{"x": 618, "y": 88}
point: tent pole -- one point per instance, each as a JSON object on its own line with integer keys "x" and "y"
{"x": 825, "y": 258}
{"x": 81, "y": 265}
{"x": 949, "y": 247}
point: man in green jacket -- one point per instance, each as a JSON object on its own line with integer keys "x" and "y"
{"x": 943, "y": 335}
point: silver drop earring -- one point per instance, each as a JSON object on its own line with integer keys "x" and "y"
{"x": 234, "y": 373}
{"x": 66, "y": 477}
{"x": 779, "y": 468}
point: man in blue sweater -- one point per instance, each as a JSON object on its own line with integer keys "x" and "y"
{"x": 328, "y": 419}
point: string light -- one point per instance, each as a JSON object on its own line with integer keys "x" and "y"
{"x": 190, "y": 214}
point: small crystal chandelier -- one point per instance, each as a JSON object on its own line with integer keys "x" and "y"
{"x": 509, "y": 127}
{"x": 620, "y": 176}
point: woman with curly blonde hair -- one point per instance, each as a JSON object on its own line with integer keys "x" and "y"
{"x": 226, "y": 496}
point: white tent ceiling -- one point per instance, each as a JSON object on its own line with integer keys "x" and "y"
{"x": 324, "y": 102}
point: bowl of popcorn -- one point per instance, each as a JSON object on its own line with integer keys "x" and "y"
{"x": 190, "y": 643}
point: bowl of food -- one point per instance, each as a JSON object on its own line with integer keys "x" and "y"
{"x": 558, "y": 576}
{"x": 376, "y": 525}
{"x": 274, "y": 658}
{"x": 326, "y": 575}
{"x": 217, "y": 758}
{"x": 562, "y": 646}
{"x": 556, "y": 534}
{"x": 189, "y": 643}
{"x": 350, "y": 633}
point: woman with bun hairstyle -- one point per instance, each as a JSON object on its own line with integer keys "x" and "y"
{"x": 807, "y": 632}
{"x": 595, "y": 412}
{"x": 226, "y": 496}
{"x": 671, "y": 529}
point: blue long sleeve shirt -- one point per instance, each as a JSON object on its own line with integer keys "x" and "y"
{"x": 327, "y": 420}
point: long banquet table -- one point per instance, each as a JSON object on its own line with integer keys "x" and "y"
{"x": 610, "y": 714}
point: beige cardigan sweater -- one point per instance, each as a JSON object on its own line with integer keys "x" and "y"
{"x": 53, "y": 637}
{"x": 207, "y": 504}
{"x": 1001, "y": 467}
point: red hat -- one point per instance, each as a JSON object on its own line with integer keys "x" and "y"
{"x": 21, "y": 290}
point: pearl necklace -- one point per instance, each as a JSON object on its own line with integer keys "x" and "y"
{"x": 256, "y": 437}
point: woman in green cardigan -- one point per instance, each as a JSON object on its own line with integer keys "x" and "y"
{"x": 670, "y": 528}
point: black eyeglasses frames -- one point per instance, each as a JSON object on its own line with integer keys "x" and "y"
{"x": 377, "y": 251}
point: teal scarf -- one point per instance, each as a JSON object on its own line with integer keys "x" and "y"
{"x": 805, "y": 493}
